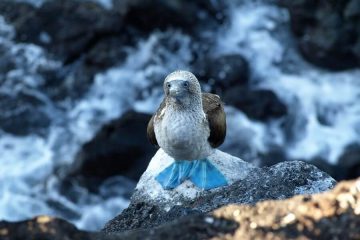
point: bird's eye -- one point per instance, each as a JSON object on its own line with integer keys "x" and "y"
{"x": 168, "y": 85}
{"x": 186, "y": 84}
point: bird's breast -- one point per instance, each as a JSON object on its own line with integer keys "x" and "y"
{"x": 183, "y": 136}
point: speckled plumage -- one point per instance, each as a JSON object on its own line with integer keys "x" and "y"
{"x": 183, "y": 134}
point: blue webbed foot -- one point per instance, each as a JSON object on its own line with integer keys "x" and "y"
{"x": 200, "y": 172}
{"x": 206, "y": 176}
{"x": 174, "y": 175}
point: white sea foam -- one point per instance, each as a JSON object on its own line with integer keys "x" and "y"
{"x": 257, "y": 32}
{"x": 107, "y": 4}
{"x": 28, "y": 182}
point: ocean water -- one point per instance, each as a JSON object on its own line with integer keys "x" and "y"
{"x": 32, "y": 165}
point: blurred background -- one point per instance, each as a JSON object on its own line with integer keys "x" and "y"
{"x": 79, "y": 80}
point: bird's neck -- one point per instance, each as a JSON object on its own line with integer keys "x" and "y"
{"x": 192, "y": 105}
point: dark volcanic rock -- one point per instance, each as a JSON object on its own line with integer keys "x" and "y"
{"x": 337, "y": 172}
{"x": 280, "y": 181}
{"x": 328, "y": 32}
{"x": 149, "y": 15}
{"x": 347, "y": 166}
{"x": 260, "y": 104}
{"x": 23, "y": 114}
{"x": 48, "y": 228}
{"x": 194, "y": 227}
{"x": 350, "y": 161}
{"x": 224, "y": 72}
{"x": 84, "y": 24}
{"x": 86, "y": 39}
{"x": 329, "y": 215}
{"x": 80, "y": 26}
{"x": 119, "y": 148}
{"x": 42, "y": 227}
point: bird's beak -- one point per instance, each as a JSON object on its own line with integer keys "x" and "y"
{"x": 177, "y": 89}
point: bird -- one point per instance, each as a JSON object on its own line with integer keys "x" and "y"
{"x": 188, "y": 125}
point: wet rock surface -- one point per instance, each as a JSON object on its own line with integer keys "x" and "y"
{"x": 349, "y": 161}
{"x": 42, "y": 26}
{"x": 31, "y": 117}
{"x": 187, "y": 15}
{"x": 348, "y": 166}
{"x": 327, "y": 32}
{"x": 259, "y": 104}
{"x": 91, "y": 24}
{"x": 119, "y": 148}
{"x": 224, "y": 72}
{"x": 280, "y": 181}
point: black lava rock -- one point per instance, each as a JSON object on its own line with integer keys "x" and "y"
{"x": 42, "y": 227}
{"x": 330, "y": 215}
{"x": 119, "y": 148}
{"x": 259, "y": 104}
{"x": 148, "y": 15}
{"x": 86, "y": 39}
{"x": 80, "y": 26}
{"x": 224, "y": 72}
{"x": 48, "y": 228}
{"x": 347, "y": 165}
{"x": 23, "y": 114}
{"x": 350, "y": 161}
{"x": 327, "y": 32}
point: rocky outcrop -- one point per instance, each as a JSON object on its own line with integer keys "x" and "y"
{"x": 327, "y": 32}
{"x": 329, "y": 215}
{"x": 49, "y": 228}
{"x": 152, "y": 206}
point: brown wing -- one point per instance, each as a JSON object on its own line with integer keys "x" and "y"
{"x": 214, "y": 110}
{"x": 150, "y": 128}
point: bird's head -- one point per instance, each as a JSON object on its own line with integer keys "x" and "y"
{"x": 182, "y": 88}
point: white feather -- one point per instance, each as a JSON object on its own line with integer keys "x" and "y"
{"x": 183, "y": 134}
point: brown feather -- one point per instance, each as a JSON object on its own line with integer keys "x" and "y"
{"x": 150, "y": 128}
{"x": 214, "y": 110}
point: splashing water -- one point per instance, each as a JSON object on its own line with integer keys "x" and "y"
{"x": 28, "y": 185}
{"x": 261, "y": 33}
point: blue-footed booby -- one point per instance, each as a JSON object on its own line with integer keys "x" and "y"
{"x": 188, "y": 125}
